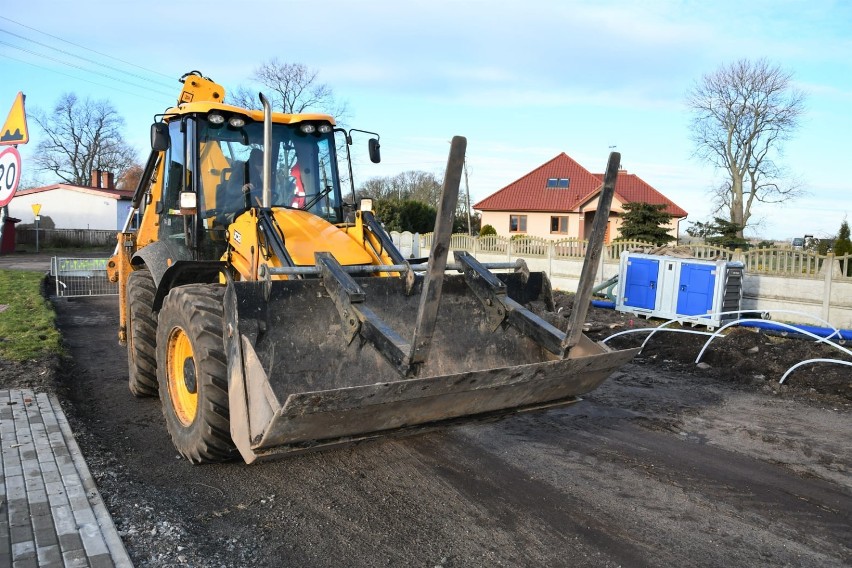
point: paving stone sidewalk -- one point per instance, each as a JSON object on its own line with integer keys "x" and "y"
{"x": 51, "y": 513}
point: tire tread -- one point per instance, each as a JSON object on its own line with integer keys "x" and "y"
{"x": 199, "y": 308}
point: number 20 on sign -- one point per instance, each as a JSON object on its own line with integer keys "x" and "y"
{"x": 10, "y": 174}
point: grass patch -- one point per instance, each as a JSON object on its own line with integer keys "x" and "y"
{"x": 27, "y": 329}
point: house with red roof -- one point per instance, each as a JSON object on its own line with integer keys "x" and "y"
{"x": 558, "y": 200}
{"x": 98, "y": 206}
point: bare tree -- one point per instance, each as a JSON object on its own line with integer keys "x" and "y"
{"x": 411, "y": 185}
{"x": 294, "y": 89}
{"x": 130, "y": 178}
{"x": 742, "y": 115}
{"x": 81, "y": 136}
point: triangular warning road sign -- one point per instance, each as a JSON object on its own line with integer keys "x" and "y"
{"x": 15, "y": 131}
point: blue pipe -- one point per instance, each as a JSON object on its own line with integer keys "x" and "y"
{"x": 845, "y": 334}
{"x": 820, "y": 331}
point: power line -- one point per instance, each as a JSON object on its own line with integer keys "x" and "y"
{"x": 86, "y": 48}
{"x": 80, "y": 57}
{"x": 136, "y": 93}
{"x": 45, "y": 56}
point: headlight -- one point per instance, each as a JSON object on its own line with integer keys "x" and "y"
{"x": 236, "y": 122}
{"x": 216, "y": 118}
{"x": 188, "y": 200}
{"x": 308, "y": 128}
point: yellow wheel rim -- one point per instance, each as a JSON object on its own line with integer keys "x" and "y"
{"x": 183, "y": 384}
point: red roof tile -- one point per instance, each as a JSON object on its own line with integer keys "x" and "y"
{"x": 630, "y": 188}
{"x": 530, "y": 192}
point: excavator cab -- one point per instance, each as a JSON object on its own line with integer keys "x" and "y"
{"x": 224, "y": 171}
{"x": 231, "y": 160}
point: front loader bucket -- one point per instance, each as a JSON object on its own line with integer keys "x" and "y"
{"x": 299, "y": 379}
{"x": 331, "y": 358}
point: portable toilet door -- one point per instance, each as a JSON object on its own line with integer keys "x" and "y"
{"x": 696, "y": 287}
{"x": 640, "y": 283}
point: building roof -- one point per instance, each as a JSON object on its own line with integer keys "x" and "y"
{"x": 530, "y": 192}
{"x": 100, "y": 192}
{"x": 563, "y": 185}
{"x": 630, "y": 188}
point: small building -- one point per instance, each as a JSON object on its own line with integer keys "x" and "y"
{"x": 558, "y": 200}
{"x": 98, "y": 206}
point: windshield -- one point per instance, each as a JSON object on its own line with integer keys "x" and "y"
{"x": 231, "y": 169}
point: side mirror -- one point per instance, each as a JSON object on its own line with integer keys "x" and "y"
{"x": 373, "y": 146}
{"x": 159, "y": 136}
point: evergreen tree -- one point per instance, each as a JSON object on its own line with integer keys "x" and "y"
{"x": 646, "y": 222}
{"x": 406, "y": 215}
{"x": 824, "y": 246}
{"x": 487, "y": 230}
{"x": 701, "y": 230}
{"x": 727, "y": 235}
{"x": 843, "y": 245}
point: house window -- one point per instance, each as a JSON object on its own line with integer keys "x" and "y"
{"x": 517, "y": 223}
{"x": 559, "y": 224}
{"x": 559, "y": 182}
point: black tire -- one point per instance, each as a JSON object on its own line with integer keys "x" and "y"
{"x": 193, "y": 373}
{"x": 141, "y": 334}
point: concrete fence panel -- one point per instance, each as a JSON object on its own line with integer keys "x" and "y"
{"x": 775, "y": 279}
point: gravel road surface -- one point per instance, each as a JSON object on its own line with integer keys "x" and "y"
{"x": 664, "y": 465}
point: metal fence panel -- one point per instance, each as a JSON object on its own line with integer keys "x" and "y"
{"x": 81, "y": 277}
{"x": 65, "y": 237}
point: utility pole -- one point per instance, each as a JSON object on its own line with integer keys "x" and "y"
{"x": 467, "y": 198}
{"x": 4, "y": 212}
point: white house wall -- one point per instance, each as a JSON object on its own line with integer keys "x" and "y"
{"x": 71, "y": 209}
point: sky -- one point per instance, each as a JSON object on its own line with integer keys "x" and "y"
{"x": 522, "y": 81}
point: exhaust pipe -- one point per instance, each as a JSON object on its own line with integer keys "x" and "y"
{"x": 267, "y": 155}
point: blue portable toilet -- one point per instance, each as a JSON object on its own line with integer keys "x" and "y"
{"x": 669, "y": 287}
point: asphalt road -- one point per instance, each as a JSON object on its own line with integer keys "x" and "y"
{"x": 655, "y": 468}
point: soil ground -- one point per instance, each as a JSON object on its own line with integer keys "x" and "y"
{"x": 668, "y": 463}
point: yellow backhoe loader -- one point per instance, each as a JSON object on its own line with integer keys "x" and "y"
{"x": 272, "y": 316}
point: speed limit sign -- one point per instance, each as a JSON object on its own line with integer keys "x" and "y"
{"x": 10, "y": 174}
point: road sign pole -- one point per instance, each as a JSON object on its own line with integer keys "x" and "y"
{"x": 36, "y": 210}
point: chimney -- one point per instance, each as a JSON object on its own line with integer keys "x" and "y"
{"x": 107, "y": 180}
{"x": 96, "y": 178}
